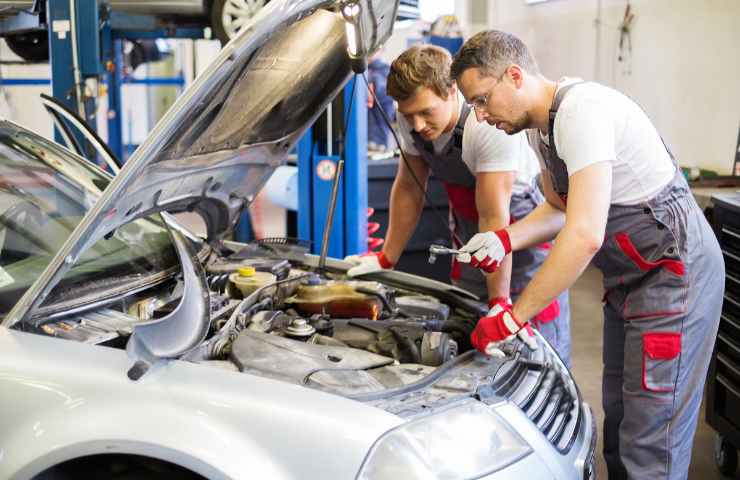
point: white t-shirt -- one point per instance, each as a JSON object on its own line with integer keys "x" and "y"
{"x": 484, "y": 149}
{"x": 596, "y": 123}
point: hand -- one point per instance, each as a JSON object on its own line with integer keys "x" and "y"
{"x": 368, "y": 263}
{"x": 497, "y": 327}
{"x": 486, "y": 250}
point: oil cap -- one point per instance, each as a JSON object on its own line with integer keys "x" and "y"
{"x": 246, "y": 271}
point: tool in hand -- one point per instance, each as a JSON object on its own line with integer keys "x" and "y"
{"x": 435, "y": 250}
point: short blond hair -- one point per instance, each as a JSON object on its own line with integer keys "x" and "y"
{"x": 420, "y": 66}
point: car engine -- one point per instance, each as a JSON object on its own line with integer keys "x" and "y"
{"x": 397, "y": 342}
{"x": 284, "y": 320}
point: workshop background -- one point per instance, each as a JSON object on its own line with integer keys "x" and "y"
{"x": 679, "y": 59}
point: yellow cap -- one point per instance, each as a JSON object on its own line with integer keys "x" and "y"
{"x": 246, "y": 271}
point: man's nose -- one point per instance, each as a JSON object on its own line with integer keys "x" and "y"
{"x": 419, "y": 124}
{"x": 480, "y": 115}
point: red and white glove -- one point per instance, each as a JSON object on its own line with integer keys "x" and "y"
{"x": 368, "y": 263}
{"x": 486, "y": 250}
{"x": 500, "y": 326}
{"x": 504, "y": 301}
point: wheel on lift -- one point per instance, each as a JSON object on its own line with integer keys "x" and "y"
{"x": 32, "y": 45}
{"x": 229, "y": 16}
{"x": 725, "y": 454}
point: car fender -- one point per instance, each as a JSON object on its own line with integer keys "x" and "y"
{"x": 62, "y": 399}
{"x": 185, "y": 438}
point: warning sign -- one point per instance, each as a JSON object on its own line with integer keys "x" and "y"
{"x": 326, "y": 169}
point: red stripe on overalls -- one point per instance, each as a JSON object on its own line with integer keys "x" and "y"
{"x": 625, "y": 244}
{"x": 462, "y": 202}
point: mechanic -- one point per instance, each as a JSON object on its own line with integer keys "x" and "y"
{"x": 615, "y": 196}
{"x": 438, "y": 135}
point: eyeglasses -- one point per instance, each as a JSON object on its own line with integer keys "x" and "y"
{"x": 480, "y": 102}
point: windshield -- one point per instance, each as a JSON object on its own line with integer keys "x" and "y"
{"x": 44, "y": 193}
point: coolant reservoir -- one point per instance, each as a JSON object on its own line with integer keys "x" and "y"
{"x": 337, "y": 299}
{"x": 247, "y": 279}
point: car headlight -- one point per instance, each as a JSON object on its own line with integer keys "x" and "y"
{"x": 466, "y": 441}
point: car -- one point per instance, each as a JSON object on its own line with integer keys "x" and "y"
{"x": 132, "y": 348}
{"x": 225, "y": 17}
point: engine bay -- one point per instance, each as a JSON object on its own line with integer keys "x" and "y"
{"x": 290, "y": 321}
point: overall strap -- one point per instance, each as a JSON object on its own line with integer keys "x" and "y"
{"x": 556, "y": 101}
{"x": 457, "y": 134}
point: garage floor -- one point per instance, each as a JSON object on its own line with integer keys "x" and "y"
{"x": 586, "y": 324}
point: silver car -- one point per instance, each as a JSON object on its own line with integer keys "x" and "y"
{"x": 131, "y": 348}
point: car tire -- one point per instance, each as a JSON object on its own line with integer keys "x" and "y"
{"x": 725, "y": 454}
{"x": 31, "y": 46}
{"x": 225, "y": 13}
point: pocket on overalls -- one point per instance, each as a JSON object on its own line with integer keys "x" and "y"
{"x": 660, "y": 354}
{"x": 655, "y": 283}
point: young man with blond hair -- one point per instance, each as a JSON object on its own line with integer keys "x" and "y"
{"x": 490, "y": 179}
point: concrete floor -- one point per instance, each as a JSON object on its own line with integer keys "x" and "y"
{"x": 586, "y": 325}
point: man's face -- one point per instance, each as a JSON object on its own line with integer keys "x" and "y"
{"x": 496, "y": 101}
{"x": 428, "y": 114}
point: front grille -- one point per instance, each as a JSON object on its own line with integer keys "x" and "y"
{"x": 538, "y": 384}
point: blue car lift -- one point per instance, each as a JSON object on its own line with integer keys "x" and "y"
{"x": 85, "y": 43}
{"x": 75, "y": 54}
{"x": 316, "y": 165}
{"x": 116, "y": 28}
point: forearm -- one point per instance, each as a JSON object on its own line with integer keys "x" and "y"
{"x": 406, "y": 205}
{"x": 541, "y": 225}
{"x": 498, "y": 283}
{"x": 572, "y": 251}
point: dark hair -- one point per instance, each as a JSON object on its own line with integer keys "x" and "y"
{"x": 420, "y": 66}
{"x": 493, "y": 52}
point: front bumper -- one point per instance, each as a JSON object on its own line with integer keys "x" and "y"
{"x": 545, "y": 407}
{"x": 545, "y": 462}
{"x": 530, "y": 390}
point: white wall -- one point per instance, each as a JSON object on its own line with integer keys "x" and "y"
{"x": 22, "y": 104}
{"x": 685, "y": 69}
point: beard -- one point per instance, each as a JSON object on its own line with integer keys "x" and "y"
{"x": 524, "y": 122}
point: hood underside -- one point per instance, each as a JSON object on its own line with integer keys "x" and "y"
{"x": 216, "y": 147}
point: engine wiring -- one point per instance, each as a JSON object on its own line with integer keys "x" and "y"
{"x": 236, "y": 322}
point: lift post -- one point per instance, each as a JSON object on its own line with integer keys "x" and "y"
{"x": 317, "y": 164}
{"x": 74, "y": 55}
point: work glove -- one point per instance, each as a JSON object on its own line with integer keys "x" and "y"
{"x": 503, "y": 301}
{"x": 498, "y": 327}
{"x": 486, "y": 250}
{"x": 368, "y": 263}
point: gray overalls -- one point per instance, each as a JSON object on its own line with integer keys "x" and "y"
{"x": 448, "y": 166}
{"x": 663, "y": 282}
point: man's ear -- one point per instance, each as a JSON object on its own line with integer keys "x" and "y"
{"x": 452, "y": 90}
{"x": 515, "y": 74}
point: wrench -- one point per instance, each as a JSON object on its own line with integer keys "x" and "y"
{"x": 435, "y": 250}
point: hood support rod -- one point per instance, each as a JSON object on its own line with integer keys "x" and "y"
{"x": 337, "y": 178}
{"x": 330, "y": 214}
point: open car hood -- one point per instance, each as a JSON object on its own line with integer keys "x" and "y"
{"x": 219, "y": 143}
